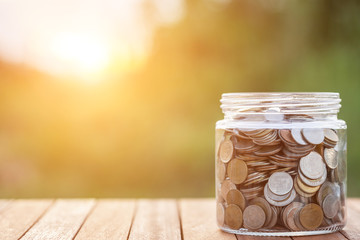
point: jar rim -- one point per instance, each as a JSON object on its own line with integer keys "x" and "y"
{"x": 289, "y": 103}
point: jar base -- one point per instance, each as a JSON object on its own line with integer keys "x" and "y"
{"x": 280, "y": 233}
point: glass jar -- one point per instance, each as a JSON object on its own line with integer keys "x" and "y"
{"x": 280, "y": 164}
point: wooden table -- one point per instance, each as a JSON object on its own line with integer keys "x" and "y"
{"x": 189, "y": 219}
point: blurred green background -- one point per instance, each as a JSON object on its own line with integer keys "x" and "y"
{"x": 143, "y": 126}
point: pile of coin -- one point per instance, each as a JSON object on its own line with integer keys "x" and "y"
{"x": 285, "y": 179}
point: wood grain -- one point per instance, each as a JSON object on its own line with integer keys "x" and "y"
{"x": 19, "y": 216}
{"x": 62, "y": 221}
{"x": 156, "y": 220}
{"x": 198, "y": 220}
{"x": 352, "y": 227}
{"x": 110, "y": 220}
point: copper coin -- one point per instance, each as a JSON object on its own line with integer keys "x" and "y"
{"x": 311, "y": 216}
{"x": 268, "y": 150}
{"x": 226, "y": 186}
{"x": 300, "y": 192}
{"x": 220, "y": 214}
{"x": 312, "y": 165}
{"x": 331, "y": 206}
{"x": 219, "y": 135}
{"x": 292, "y": 215}
{"x": 297, "y": 136}
{"x": 285, "y": 135}
{"x": 254, "y": 217}
{"x": 287, "y": 209}
{"x": 226, "y": 150}
{"x": 237, "y": 171}
{"x": 273, "y": 220}
{"x": 234, "y": 196}
{"x": 221, "y": 172}
{"x": 313, "y": 135}
{"x": 280, "y": 183}
{"x": 330, "y": 156}
{"x": 233, "y": 216}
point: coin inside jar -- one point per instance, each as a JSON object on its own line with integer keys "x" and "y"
{"x": 226, "y": 186}
{"x": 280, "y": 183}
{"x": 221, "y": 171}
{"x": 226, "y": 150}
{"x": 220, "y": 214}
{"x": 331, "y": 206}
{"x": 254, "y": 217}
{"x": 312, "y": 165}
{"x": 297, "y": 136}
{"x": 330, "y": 156}
{"x": 313, "y": 135}
{"x": 237, "y": 171}
{"x": 233, "y": 216}
{"x": 311, "y": 216}
{"x": 234, "y": 196}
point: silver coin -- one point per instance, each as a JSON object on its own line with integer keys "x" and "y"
{"x": 297, "y": 136}
{"x": 282, "y": 203}
{"x": 312, "y": 165}
{"x": 273, "y": 196}
{"x": 313, "y": 135}
{"x": 311, "y": 182}
{"x": 330, "y": 156}
{"x": 280, "y": 183}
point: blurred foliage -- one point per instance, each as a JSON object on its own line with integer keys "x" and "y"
{"x": 151, "y": 133}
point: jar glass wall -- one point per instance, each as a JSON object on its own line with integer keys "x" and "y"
{"x": 280, "y": 164}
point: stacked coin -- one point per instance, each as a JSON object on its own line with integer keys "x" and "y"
{"x": 273, "y": 178}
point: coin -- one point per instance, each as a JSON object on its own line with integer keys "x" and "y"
{"x": 273, "y": 219}
{"x": 330, "y": 156}
{"x": 326, "y": 189}
{"x": 300, "y": 192}
{"x": 292, "y": 215}
{"x": 244, "y": 145}
{"x": 261, "y": 202}
{"x": 254, "y": 217}
{"x": 226, "y": 186}
{"x": 286, "y": 136}
{"x": 312, "y": 165}
{"x": 221, "y": 172}
{"x": 330, "y": 135}
{"x": 219, "y": 135}
{"x": 226, "y": 150}
{"x": 311, "y": 216}
{"x": 237, "y": 171}
{"x": 280, "y": 183}
{"x": 285, "y": 214}
{"x": 313, "y": 135}
{"x": 297, "y": 136}
{"x": 220, "y": 214}
{"x": 233, "y": 216}
{"x": 268, "y": 150}
{"x": 234, "y": 196}
{"x": 282, "y": 203}
{"x": 306, "y": 188}
{"x": 272, "y": 196}
{"x": 312, "y": 182}
{"x": 331, "y": 206}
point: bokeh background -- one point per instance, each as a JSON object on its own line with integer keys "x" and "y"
{"x": 120, "y": 98}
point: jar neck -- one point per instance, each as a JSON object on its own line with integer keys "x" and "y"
{"x": 283, "y": 106}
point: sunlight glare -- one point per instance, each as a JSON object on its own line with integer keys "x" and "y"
{"x": 83, "y": 54}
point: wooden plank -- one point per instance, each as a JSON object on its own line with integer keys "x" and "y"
{"x": 353, "y": 203}
{"x": 4, "y": 203}
{"x": 199, "y": 221}
{"x": 62, "y": 221}
{"x": 19, "y": 216}
{"x": 332, "y": 236}
{"x": 352, "y": 227}
{"x": 110, "y": 219}
{"x": 156, "y": 220}
{"x": 243, "y": 237}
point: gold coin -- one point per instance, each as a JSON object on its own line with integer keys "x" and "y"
{"x": 226, "y": 186}
{"x": 330, "y": 156}
{"x": 221, "y": 172}
{"x": 226, "y": 150}
{"x": 220, "y": 214}
{"x": 233, "y": 216}
{"x": 311, "y": 216}
{"x": 300, "y": 192}
{"x": 237, "y": 171}
{"x": 234, "y": 196}
{"x": 305, "y": 188}
{"x": 254, "y": 217}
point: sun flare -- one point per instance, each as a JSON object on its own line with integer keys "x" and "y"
{"x": 83, "y": 54}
